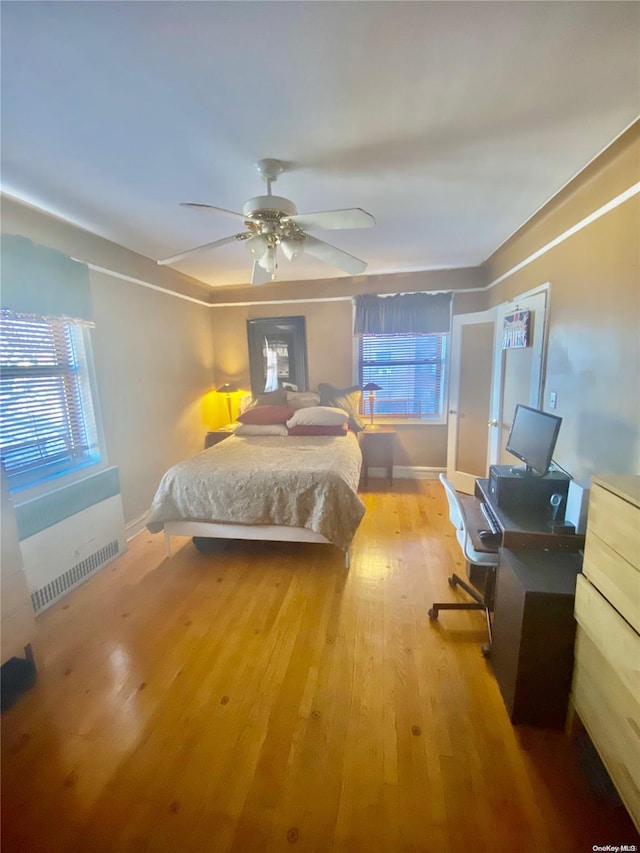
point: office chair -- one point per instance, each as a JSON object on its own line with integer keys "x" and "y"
{"x": 489, "y": 561}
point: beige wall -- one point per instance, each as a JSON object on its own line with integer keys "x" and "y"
{"x": 153, "y": 356}
{"x": 156, "y": 354}
{"x": 593, "y": 355}
{"x": 329, "y": 327}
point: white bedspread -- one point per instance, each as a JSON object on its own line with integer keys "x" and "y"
{"x": 297, "y": 481}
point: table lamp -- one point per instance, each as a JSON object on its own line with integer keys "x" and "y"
{"x": 371, "y": 387}
{"x": 228, "y": 388}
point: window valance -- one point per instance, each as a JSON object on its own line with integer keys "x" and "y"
{"x": 42, "y": 282}
{"x": 403, "y": 314}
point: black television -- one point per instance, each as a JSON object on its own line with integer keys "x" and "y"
{"x": 533, "y": 439}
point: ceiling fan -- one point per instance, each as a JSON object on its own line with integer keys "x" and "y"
{"x": 273, "y": 222}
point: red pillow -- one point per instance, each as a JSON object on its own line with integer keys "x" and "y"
{"x": 316, "y": 429}
{"x": 266, "y": 415}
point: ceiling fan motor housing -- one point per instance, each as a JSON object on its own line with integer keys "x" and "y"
{"x": 269, "y": 204}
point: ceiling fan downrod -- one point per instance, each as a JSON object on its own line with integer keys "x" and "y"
{"x": 269, "y": 169}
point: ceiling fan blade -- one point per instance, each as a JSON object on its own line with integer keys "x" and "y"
{"x": 179, "y": 257}
{"x": 352, "y": 217}
{"x": 216, "y": 209}
{"x": 334, "y": 256}
{"x": 259, "y": 275}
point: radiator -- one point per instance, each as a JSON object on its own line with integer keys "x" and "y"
{"x": 63, "y": 555}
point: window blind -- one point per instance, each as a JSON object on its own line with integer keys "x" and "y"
{"x": 410, "y": 370}
{"x": 46, "y": 413}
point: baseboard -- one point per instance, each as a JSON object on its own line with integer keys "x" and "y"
{"x": 407, "y": 472}
{"x": 133, "y": 528}
{"x": 416, "y": 472}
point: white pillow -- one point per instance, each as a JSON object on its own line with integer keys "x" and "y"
{"x": 318, "y": 416}
{"x": 261, "y": 429}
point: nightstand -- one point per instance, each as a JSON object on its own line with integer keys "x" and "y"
{"x": 377, "y": 450}
{"x": 215, "y": 436}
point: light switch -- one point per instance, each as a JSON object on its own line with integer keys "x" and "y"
{"x": 553, "y": 398}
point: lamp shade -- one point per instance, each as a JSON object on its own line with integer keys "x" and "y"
{"x": 257, "y": 245}
{"x": 291, "y": 249}
{"x": 268, "y": 260}
{"x": 371, "y": 386}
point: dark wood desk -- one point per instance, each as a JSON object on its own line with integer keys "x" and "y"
{"x": 475, "y": 521}
{"x": 534, "y": 633}
{"x": 533, "y": 624}
{"x": 522, "y": 528}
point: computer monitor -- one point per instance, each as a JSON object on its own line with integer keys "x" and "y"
{"x": 533, "y": 439}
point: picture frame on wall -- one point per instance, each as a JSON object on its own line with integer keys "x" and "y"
{"x": 516, "y": 329}
{"x": 277, "y": 354}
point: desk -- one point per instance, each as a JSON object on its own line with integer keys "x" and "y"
{"x": 533, "y": 624}
{"x": 522, "y": 528}
{"x": 534, "y": 633}
{"x": 474, "y": 521}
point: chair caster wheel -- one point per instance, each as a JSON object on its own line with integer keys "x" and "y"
{"x": 433, "y": 614}
{"x": 486, "y": 651}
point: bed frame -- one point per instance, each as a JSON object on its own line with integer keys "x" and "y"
{"x": 254, "y": 532}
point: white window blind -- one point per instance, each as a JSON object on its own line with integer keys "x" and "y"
{"x": 411, "y": 373}
{"x": 47, "y": 422}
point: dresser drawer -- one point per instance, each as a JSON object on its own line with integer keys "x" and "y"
{"x": 616, "y": 522}
{"x": 618, "y": 642}
{"x": 616, "y": 579}
{"x": 606, "y": 689}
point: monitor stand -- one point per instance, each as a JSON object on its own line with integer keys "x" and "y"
{"x": 521, "y": 471}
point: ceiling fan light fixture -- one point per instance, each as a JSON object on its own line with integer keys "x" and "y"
{"x": 291, "y": 249}
{"x": 268, "y": 260}
{"x": 257, "y": 246}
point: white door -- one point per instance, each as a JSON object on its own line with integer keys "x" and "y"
{"x": 487, "y": 382}
{"x": 517, "y": 372}
{"x": 472, "y": 353}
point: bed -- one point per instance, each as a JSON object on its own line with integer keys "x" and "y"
{"x": 280, "y": 488}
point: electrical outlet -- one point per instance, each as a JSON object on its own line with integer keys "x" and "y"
{"x": 553, "y": 399}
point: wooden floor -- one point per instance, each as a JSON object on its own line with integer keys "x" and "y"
{"x": 263, "y": 698}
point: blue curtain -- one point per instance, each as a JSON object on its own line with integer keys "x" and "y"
{"x": 43, "y": 282}
{"x": 403, "y": 314}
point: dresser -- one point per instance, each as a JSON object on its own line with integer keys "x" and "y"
{"x": 606, "y": 680}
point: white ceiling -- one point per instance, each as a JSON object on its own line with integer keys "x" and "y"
{"x": 450, "y": 122}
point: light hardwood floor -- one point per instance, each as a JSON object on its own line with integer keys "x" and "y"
{"x": 263, "y": 698}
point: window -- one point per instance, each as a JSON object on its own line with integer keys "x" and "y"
{"x": 47, "y": 422}
{"x": 411, "y": 372}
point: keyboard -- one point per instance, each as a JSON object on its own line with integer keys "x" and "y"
{"x": 492, "y": 521}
